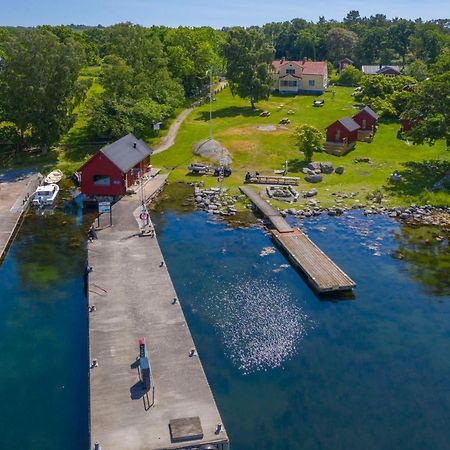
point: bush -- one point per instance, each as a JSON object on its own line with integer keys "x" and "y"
{"x": 350, "y": 76}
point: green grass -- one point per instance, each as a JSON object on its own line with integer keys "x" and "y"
{"x": 235, "y": 126}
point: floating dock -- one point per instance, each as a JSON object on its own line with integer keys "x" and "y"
{"x": 134, "y": 298}
{"x": 321, "y": 272}
{"x": 15, "y": 197}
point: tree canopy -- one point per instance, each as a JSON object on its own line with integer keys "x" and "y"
{"x": 248, "y": 55}
{"x": 38, "y": 76}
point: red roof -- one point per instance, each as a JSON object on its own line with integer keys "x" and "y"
{"x": 309, "y": 67}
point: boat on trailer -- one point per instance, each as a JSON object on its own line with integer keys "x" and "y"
{"x": 45, "y": 195}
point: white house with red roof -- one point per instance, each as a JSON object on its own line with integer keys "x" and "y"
{"x": 300, "y": 77}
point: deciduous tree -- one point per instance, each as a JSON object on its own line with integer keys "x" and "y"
{"x": 248, "y": 55}
{"x": 309, "y": 140}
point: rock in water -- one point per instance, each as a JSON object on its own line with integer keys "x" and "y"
{"x": 213, "y": 150}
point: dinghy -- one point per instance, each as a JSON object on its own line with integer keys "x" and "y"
{"x": 53, "y": 177}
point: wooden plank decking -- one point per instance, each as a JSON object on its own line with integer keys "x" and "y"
{"x": 322, "y": 273}
{"x": 269, "y": 211}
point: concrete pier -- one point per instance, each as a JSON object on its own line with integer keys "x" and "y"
{"x": 134, "y": 298}
{"x": 15, "y": 197}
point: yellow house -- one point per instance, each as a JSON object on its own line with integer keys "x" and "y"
{"x": 300, "y": 77}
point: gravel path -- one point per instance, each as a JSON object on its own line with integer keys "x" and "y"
{"x": 169, "y": 139}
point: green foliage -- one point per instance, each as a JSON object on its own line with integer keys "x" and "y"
{"x": 37, "y": 84}
{"x": 340, "y": 43}
{"x": 138, "y": 87}
{"x": 192, "y": 52}
{"x": 417, "y": 69}
{"x": 309, "y": 140}
{"x": 350, "y": 76}
{"x": 429, "y": 109}
{"x": 388, "y": 96}
{"x": 248, "y": 56}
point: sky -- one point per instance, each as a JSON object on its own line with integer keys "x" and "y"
{"x": 215, "y": 13}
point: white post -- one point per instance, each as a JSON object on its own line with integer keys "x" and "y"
{"x": 210, "y": 102}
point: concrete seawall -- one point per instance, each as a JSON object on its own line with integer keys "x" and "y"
{"x": 15, "y": 197}
{"x": 133, "y": 295}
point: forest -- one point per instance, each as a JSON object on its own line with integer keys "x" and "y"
{"x": 129, "y": 77}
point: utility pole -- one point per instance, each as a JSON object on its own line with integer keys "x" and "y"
{"x": 210, "y": 102}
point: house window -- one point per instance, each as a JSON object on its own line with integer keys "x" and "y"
{"x": 102, "y": 180}
{"x": 288, "y": 83}
{"x": 364, "y": 124}
{"x": 311, "y": 83}
{"x": 290, "y": 71}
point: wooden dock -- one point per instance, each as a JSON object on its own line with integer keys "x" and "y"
{"x": 15, "y": 197}
{"x": 269, "y": 211}
{"x": 134, "y": 298}
{"x": 321, "y": 272}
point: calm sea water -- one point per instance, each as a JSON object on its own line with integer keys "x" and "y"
{"x": 43, "y": 336}
{"x": 289, "y": 370}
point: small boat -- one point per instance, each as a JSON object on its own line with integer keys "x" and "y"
{"x": 53, "y": 177}
{"x": 45, "y": 195}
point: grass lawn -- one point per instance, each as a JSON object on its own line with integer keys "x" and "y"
{"x": 235, "y": 126}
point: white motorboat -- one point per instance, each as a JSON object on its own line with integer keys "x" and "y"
{"x": 53, "y": 177}
{"x": 45, "y": 195}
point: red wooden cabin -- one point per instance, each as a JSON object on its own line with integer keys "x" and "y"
{"x": 366, "y": 118}
{"x": 114, "y": 168}
{"x": 343, "y": 130}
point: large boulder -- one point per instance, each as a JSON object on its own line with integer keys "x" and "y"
{"x": 316, "y": 178}
{"x": 326, "y": 167}
{"x": 313, "y": 165}
{"x": 212, "y": 150}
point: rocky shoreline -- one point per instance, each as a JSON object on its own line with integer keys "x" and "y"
{"x": 218, "y": 202}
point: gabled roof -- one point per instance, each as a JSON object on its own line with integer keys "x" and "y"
{"x": 308, "y": 67}
{"x": 374, "y": 69}
{"x": 369, "y": 111}
{"x": 349, "y": 124}
{"x": 126, "y": 152}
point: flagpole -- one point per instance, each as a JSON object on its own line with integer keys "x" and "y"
{"x": 210, "y": 103}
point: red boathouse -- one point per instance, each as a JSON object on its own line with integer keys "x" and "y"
{"x": 114, "y": 168}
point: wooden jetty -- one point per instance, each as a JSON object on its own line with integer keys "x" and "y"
{"x": 273, "y": 179}
{"x": 321, "y": 272}
{"x": 15, "y": 198}
{"x": 269, "y": 211}
{"x": 134, "y": 298}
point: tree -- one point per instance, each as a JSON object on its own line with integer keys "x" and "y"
{"x": 427, "y": 43}
{"x": 429, "y": 109}
{"x": 38, "y": 78}
{"x": 340, "y": 43}
{"x": 350, "y": 76}
{"x": 400, "y": 34}
{"x": 309, "y": 140}
{"x": 417, "y": 69}
{"x": 306, "y": 44}
{"x": 248, "y": 55}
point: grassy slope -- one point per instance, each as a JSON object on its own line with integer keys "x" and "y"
{"x": 235, "y": 127}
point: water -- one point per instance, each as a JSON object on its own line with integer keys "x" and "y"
{"x": 43, "y": 329}
{"x": 288, "y": 369}
{"x": 291, "y": 370}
